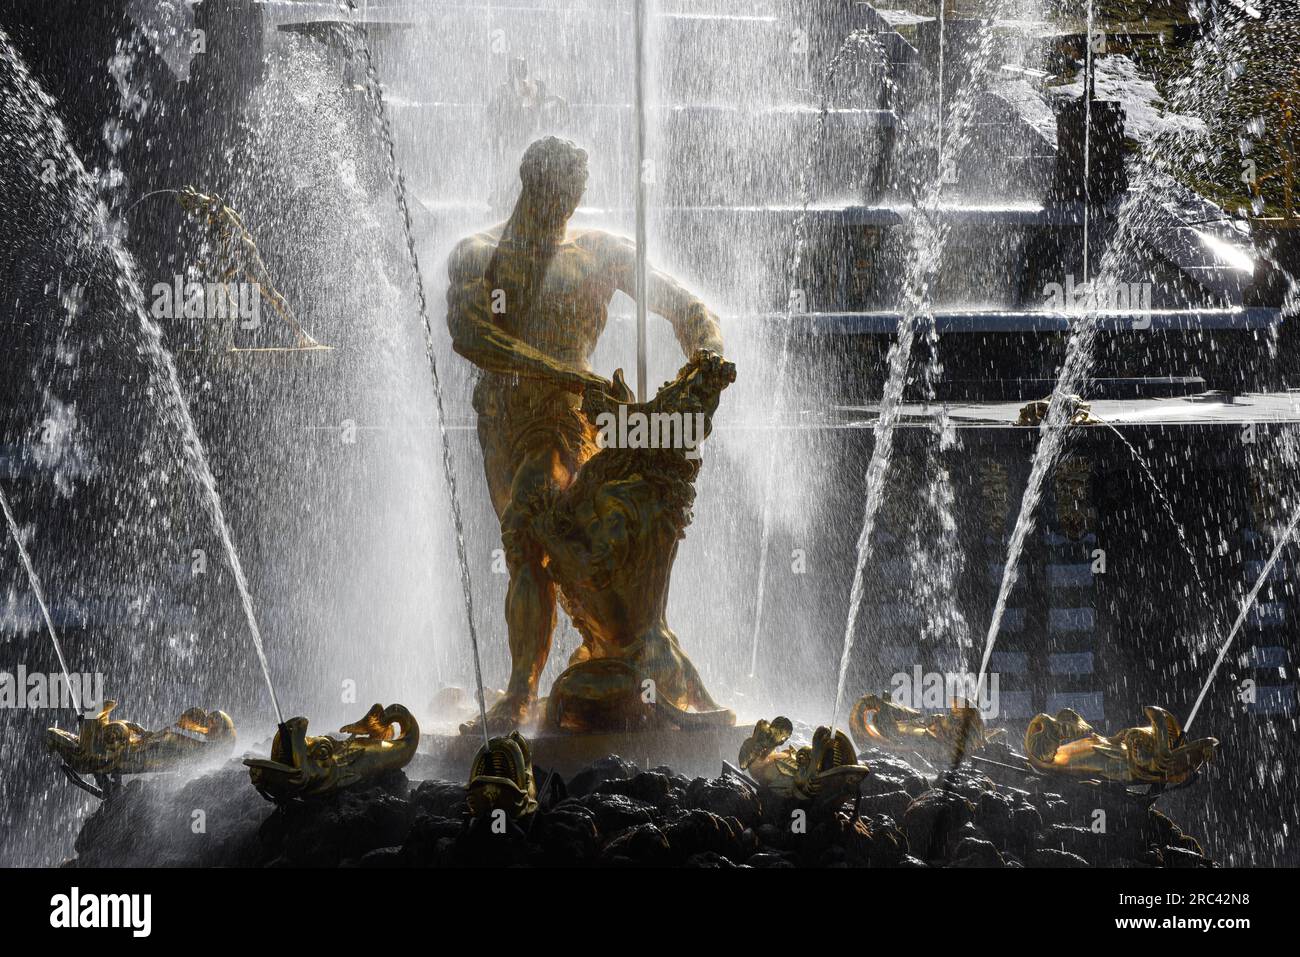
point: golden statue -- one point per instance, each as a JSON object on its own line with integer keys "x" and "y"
{"x": 1154, "y": 754}
{"x": 526, "y": 304}
{"x": 501, "y": 778}
{"x": 878, "y": 720}
{"x": 107, "y": 749}
{"x": 303, "y": 767}
{"x": 238, "y": 260}
{"x": 828, "y": 765}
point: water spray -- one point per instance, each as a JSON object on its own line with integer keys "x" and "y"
{"x": 375, "y": 91}
{"x": 39, "y": 592}
{"x": 1241, "y": 615}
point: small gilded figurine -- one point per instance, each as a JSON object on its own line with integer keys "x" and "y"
{"x": 828, "y": 766}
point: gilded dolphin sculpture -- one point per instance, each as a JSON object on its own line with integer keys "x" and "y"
{"x": 501, "y": 778}
{"x": 1156, "y": 753}
{"x": 106, "y": 749}
{"x": 828, "y": 764}
{"x": 876, "y": 719}
{"x": 303, "y": 767}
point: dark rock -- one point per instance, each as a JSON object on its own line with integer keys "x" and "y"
{"x": 643, "y": 845}
{"x": 613, "y": 812}
{"x": 429, "y": 840}
{"x": 348, "y": 824}
{"x": 648, "y": 787}
{"x": 1053, "y": 808}
{"x": 969, "y": 784}
{"x": 1048, "y": 857}
{"x": 381, "y": 857}
{"x": 1174, "y": 856}
{"x": 893, "y": 803}
{"x": 609, "y": 768}
{"x": 566, "y": 835}
{"x": 489, "y": 842}
{"x": 931, "y": 820}
{"x": 440, "y": 799}
{"x": 890, "y": 773}
{"x": 973, "y": 852}
{"x": 769, "y": 858}
{"x": 1091, "y": 845}
{"x": 697, "y": 831}
{"x": 1163, "y": 832}
{"x": 726, "y": 796}
{"x": 709, "y": 859}
{"x": 888, "y": 842}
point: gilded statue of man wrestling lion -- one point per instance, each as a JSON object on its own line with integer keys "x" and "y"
{"x": 593, "y": 528}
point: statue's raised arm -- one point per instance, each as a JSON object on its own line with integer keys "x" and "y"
{"x": 695, "y": 325}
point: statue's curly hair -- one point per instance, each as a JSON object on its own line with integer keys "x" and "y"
{"x": 549, "y": 159}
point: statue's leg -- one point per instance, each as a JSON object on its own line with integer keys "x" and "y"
{"x": 531, "y": 596}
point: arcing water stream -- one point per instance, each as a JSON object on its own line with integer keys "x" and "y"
{"x": 46, "y": 138}
{"x": 1246, "y": 606}
{"x": 38, "y": 591}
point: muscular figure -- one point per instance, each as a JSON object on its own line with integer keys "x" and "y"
{"x": 527, "y": 302}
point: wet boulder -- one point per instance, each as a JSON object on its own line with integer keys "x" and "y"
{"x": 892, "y": 803}
{"x": 648, "y": 787}
{"x": 974, "y": 852}
{"x": 440, "y": 799}
{"x": 612, "y": 812}
{"x": 643, "y": 845}
{"x": 727, "y": 796}
{"x": 932, "y": 820}
{"x": 609, "y": 768}
{"x": 566, "y": 835}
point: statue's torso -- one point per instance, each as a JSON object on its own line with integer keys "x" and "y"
{"x": 561, "y": 312}
{"x": 565, "y": 312}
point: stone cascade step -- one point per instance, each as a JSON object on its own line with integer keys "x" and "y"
{"x": 586, "y": 55}
{"x": 703, "y": 156}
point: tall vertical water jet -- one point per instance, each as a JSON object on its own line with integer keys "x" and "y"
{"x": 928, "y": 237}
{"x": 860, "y": 44}
{"x": 374, "y": 90}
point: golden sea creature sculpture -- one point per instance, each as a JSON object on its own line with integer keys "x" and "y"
{"x": 829, "y": 764}
{"x": 305, "y": 767}
{"x": 107, "y": 749}
{"x": 877, "y": 719}
{"x": 501, "y": 778}
{"x": 1077, "y": 412}
{"x": 238, "y": 260}
{"x": 1156, "y": 753}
